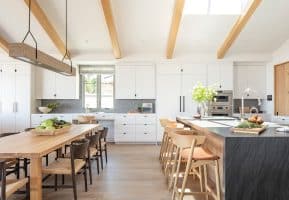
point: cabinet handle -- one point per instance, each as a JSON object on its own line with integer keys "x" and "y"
{"x": 184, "y": 108}
{"x": 124, "y": 133}
{"x": 124, "y": 124}
{"x": 15, "y": 107}
{"x": 54, "y": 95}
{"x": 180, "y": 103}
{"x": 145, "y": 124}
{"x": 145, "y": 133}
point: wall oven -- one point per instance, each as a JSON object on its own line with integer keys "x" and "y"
{"x": 222, "y": 104}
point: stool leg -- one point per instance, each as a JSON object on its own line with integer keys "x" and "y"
{"x": 173, "y": 171}
{"x": 217, "y": 174}
{"x": 201, "y": 178}
{"x": 162, "y": 147}
{"x": 188, "y": 169}
{"x": 169, "y": 160}
{"x": 177, "y": 175}
{"x": 206, "y": 181}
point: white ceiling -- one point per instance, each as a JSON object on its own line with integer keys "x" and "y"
{"x": 143, "y": 27}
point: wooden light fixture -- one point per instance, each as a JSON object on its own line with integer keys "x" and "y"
{"x": 32, "y": 55}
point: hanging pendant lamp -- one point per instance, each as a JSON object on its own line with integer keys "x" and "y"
{"x": 32, "y": 55}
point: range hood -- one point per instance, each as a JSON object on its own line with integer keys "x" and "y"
{"x": 29, "y": 54}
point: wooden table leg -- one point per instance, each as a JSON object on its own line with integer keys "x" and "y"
{"x": 36, "y": 179}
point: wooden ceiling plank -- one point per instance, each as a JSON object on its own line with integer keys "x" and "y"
{"x": 106, "y": 6}
{"x": 4, "y": 44}
{"x": 237, "y": 28}
{"x": 47, "y": 25}
{"x": 176, "y": 20}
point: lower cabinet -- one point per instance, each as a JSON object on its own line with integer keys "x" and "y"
{"x": 135, "y": 128}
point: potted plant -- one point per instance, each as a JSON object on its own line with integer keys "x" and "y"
{"x": 48, "y": 108}
{"x": 203, "y": 96}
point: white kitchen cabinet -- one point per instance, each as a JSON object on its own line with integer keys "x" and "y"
{"x": 135, "y": 82}
{"x": 140, "y": 128}
{"x": 220, "y": 76}
{"x": 51, "y": 85}
{"x": 174, "y": 91}
{"x": 253, "y": 77}
{"x": 15, "y": 97}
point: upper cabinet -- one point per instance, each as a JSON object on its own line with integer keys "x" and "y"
{"x": 253, "y": 77}
{"x": 51, "y": 85}
{"x": 135, "y": 82}
{"x": 221, "y": 76}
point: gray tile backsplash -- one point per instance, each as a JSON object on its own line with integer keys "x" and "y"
{"x": 247, "y": 103}
{"x": 75, "y": 106}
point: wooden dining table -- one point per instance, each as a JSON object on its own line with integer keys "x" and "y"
{"x": 33, "y": 147}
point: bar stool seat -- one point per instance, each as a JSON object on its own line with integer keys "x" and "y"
{"x": 63, "y": 166}
{"x": 200, "y": 153}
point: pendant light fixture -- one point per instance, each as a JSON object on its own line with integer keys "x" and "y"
{"x": 32, "y": 55}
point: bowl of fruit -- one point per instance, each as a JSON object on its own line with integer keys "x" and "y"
{"x": 253, "y": 125}
{"x": 52, "y": 127}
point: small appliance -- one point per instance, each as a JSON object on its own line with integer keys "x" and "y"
{"x": 147, "y": 107}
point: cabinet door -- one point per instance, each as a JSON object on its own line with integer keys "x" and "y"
{"x": 8, "y": 99}
{"x": 66, "y": 87}
{"x": 125, "y": 82}
{"x": 280, "y": 90}
{"x": 145, "y": 82}
{"x": 45, "y": 84}
{"x": 22, "y": 101}
{"x": 214, "y": 76}
{"x": 226, "y": 77}
{"x": 241, "y": 81}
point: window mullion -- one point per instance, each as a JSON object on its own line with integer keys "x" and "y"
{"x": 99, "y": 91}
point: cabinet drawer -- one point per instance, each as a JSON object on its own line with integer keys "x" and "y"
{"x": 125, "y": 133}
{"x": 125, "y": 119}
{"x": 145, "y": 119}
{"x": 105, "y": 116}
{"x": 145, "y": 133}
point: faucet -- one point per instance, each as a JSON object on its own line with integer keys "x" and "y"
{"x": 247, "y": 91}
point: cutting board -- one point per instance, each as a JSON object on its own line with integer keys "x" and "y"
{"x": 255, "y": 131}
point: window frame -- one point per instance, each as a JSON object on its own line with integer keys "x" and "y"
{"x": 98, "y": 91}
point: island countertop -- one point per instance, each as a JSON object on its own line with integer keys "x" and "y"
{"x": 252, "y": 167}
{"x": 223, "y": 127}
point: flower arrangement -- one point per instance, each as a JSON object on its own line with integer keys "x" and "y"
{"x": 203, "y": 94}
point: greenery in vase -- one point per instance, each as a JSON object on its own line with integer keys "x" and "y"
{"x": 202, "y": 93}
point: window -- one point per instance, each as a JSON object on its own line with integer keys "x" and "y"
{"x": 98, "y": 87}
{"x": 215, "y": 7}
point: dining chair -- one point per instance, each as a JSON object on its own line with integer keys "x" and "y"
{"x": 93, "y": 150}
{"x": 11, "y": 186}
{"x": 77, "y": 163}
{"x": 102, "y": 147}
{"x": 190, "y": 150}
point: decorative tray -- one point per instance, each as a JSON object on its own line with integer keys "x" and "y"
{"x": 50, "y": 132}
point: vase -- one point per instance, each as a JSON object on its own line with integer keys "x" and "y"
{"x": 202, "y": 109}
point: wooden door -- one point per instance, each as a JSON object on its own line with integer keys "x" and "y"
{"x": 280, "y": 90}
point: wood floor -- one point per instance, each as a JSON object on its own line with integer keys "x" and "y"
{"x": 132, "y": 173}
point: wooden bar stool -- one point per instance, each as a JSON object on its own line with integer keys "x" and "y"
{"x": 189, "y": 149}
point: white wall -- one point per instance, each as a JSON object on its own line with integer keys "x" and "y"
{"x": 279, "y": 56}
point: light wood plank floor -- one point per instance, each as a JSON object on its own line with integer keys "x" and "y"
{"x": 133, "y": 173}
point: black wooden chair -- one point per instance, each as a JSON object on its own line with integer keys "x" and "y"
{"x": 77, "y": 163}
{"x": 11, "y": 186}
{"x": 93, "y": 149}
{"x": 102, "y": 147}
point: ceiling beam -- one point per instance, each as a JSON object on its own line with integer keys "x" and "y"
{"x": 106, "y": 7}
{"x": 47, "y": 26}
{"x": 176, "y": 20}
{"x": 4, "y": 44}
{"x": 237, "y": 28}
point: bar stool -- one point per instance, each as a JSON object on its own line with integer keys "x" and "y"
{"x": 189, "y": 149}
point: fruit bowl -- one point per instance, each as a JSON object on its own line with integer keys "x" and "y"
{"x": 44, "y": 110}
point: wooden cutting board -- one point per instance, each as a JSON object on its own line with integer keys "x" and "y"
{"x": 256, "y": 131}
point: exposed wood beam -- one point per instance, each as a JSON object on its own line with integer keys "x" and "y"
{"x": 4, "y": 44}
{"x": 237, "y": 28}
{"x": 176, "y": 20}
{"x": 46, "y": 25}
{"x": 111, "y": 27}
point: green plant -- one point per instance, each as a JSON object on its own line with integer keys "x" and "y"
{"x": 203, "y": 94}
{"x": 52, "y": 106}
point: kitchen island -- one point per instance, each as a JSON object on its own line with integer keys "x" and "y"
{"x": 252, "y": 167}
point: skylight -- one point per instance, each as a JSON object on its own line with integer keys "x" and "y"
{"x": 215, "y": 7}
